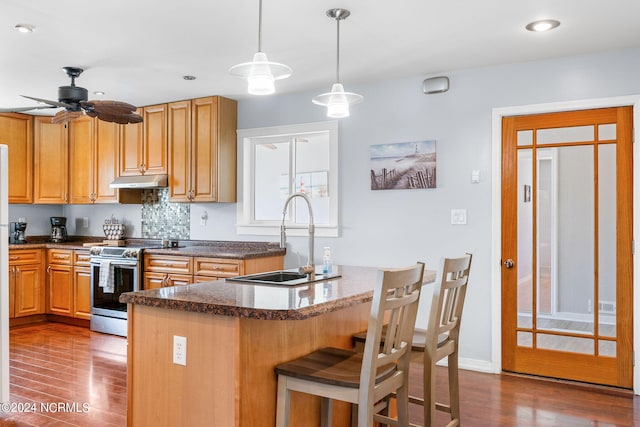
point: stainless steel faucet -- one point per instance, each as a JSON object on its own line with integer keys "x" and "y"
{"x": 310, "y": 267}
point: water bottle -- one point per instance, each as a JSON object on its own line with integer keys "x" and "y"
{"x": 326, "y": 260}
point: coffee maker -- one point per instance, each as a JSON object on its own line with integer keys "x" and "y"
{"x": 16, "y": 232}
{"x": 58, "y": 229}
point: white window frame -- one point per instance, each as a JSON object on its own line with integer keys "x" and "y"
{"x": 247, "y": 139}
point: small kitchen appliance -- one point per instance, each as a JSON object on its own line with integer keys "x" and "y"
{"x": 16, "y": 232}
{"x": 58, "y": 229}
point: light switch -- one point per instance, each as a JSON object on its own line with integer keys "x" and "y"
{"x": 203, "y": 218}
{"x": 458, "y": 216}
{"x": 475, "y": 176}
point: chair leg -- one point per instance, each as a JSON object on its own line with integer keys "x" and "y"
{"x": 429, "y": 391}
{"x": 454, "y": 388}
{"x": 326, "y": 412}
{"x": 402, "y": 405}
{"x": 282, "y": 403}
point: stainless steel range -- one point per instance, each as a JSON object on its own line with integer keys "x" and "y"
{"x": 114, "y": 271}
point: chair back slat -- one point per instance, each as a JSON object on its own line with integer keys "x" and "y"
{"x": 395, "y": 300}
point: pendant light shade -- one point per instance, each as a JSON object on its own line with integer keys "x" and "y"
{"x": 337, "y": 101}
{"x": 260, "y": 73}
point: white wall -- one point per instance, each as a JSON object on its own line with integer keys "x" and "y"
{"x": 398, "y": 227}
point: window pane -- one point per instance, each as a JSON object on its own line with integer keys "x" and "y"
{"x": 565, "y": 134}
{"x": 312, "y": 176}
{"x": 525, "y": 339}
{"x": 607, "y": 132}
{"x": 525, "y": 237}
{"x": 607, "y": 239}
{"x": 525, "y": 137}
{"x": 270, "y": 179}
{"x": 563, "y": 343}
{"x": 607, "y": 348}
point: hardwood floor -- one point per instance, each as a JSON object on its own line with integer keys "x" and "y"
{"x": 57, "y": 364}
{"x": 66, "y": 376}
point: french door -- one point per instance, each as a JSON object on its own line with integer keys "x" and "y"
{"x": 567, "y": 245}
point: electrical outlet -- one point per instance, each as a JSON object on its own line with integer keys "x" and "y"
{"x": 179, "y": 350}
{"x": 203, "y": 218}
{"x": 85, "y": 222}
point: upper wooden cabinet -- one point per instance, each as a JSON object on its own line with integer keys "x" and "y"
{"x": 143, "y": 146}
{"x": 16, "y": 131}
{"x": 93, "y": 160}
{"x": 51, "y": 148}
{"x": 202, "y": 150}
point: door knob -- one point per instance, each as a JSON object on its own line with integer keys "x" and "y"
{"x": 508, "y": 263}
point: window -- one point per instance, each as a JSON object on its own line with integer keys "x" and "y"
{"x": 279, "y": 161}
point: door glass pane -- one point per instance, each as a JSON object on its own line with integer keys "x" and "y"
{"x": 525, "y": 339}
{"x": 525, "y": 137}
{"x": 525, "y": 238}
{"x": 563, "y": 343}
{"x": 607, "y": 348}
{"x": 545, "y": 230}
{"x": 607, "y": 132}
{"x": 565, "y": 134}
{"x": 607, "y": 240}
{"x": 570, "y": 238}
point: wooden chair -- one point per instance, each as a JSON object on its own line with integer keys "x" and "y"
{"x": 363, "y": 378}
{"x": 440, "y": 339}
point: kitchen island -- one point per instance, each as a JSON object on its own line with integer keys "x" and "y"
{"x": 236, "y": 333}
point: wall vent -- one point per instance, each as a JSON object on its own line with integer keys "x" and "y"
{"x": 607, "y": 307}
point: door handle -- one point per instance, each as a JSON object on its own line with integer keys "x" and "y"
{"x": 508, "y": 263}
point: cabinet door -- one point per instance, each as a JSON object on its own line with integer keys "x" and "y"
{"x": 106, "y": 161}
{"x": 50, "y": 162}
{"x": 29, "y": 295}
{"x": 179, "y": 147}
{"x": 155, "y": 139}
{"x": 81, "y": 160}
{"x": 16, "y": 131}
{"x": 204, "y": 162}
{"x": 60, "y": 289}
{"x": 82, "y": 292}
{"x": 154, "y": 280}
{"x": 131, "y": 156}
{"x": 12, "y": 291}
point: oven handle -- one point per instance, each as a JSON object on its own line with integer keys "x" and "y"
{"x": 118, "y": 263}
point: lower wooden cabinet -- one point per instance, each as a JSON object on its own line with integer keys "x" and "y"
{"x": 69, "y": 283}
{"x": 26, "y": 293}
{"x": 82, "y": 292}
{"x": 60, "y": 289}
{"x": 163, "y": 280}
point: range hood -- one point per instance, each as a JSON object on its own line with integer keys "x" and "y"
{"x": 140, "y": 181}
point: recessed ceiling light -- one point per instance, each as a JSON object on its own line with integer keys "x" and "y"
{"x": 25, "y": 28}
{"x": 189, "y": 77}
{"x": 542, "y": 25}
{"x": 98, "y": 92}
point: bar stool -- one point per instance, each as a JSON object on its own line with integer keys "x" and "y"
{"x": 363, "y": 378}
{"x": 440, "y": 340}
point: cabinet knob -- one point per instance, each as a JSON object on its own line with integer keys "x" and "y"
{"x": 13, "y": 258}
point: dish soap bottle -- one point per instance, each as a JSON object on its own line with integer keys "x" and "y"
{"x": 326, "y": 260}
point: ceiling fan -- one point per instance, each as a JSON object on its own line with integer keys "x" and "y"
{"x": 74, "y": 101}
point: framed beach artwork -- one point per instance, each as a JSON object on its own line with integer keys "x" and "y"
{"x": 403, "y": 165}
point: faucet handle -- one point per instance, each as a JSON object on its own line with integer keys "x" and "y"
{"x": 306, "y": 269}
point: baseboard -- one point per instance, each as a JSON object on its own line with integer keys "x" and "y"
{"x": 473, "y": 365}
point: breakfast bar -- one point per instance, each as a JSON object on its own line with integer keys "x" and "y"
{"x": 236, "y": 333}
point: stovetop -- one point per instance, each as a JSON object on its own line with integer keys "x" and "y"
{"x": 129, "y": 251}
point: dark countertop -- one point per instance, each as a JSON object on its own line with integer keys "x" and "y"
{"x": 203, "y": 248}
{"x": 229, "y": 298}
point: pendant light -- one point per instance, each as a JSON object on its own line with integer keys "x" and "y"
{"x": 337, "y": 101}
{"x": 260, "y": 73}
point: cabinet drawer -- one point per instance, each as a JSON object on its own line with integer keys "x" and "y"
{"x": 81, "y": 258}
{"x": 163, "y": 280}
{"x": 168, "y": 264}
{"x": 60, "y": 256}
{"x": 217, "y": 267}
{"x": 17, "y": 257}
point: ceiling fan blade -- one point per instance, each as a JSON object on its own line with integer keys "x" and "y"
{"x": 47, "y": 101}
{"x": 19, "y": 109}
{"x": 65, "y": 116}
{"x": 122, "y": 119}
{"x": 113, "y": 107}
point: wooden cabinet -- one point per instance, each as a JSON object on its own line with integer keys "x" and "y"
{"x": 93, "y": 160}
{"x": 51, "y": 148}
{"x": 143, "y": 146}
{"x": 82, "y": 292}
{"x": 60, "y": 281}
{"x": 26, "y": 293}
{"x": 170, "y": 270}
{"x": 202, "y": 150}
{"x": 161, "y": 271}
{"x": 16, "y": 131}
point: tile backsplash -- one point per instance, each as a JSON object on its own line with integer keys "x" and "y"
{"x": 162, "y": 219}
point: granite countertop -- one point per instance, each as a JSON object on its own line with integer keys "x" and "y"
{"x": 229, "y": 298}
{"x": 204, "y": 248}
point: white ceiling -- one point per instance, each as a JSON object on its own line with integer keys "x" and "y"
{"x": 138, "y": 50}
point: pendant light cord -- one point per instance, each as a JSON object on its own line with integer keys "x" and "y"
{"x": 260, "y": 26}
{"x": 337, "y": 49}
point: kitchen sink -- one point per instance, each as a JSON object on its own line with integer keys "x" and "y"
{"x": 283, "y": 278}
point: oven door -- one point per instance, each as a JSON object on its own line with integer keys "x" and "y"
{"x": 126, "y": 278}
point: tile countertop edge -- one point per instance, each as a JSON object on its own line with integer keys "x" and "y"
{"x": 219, "y": 297}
